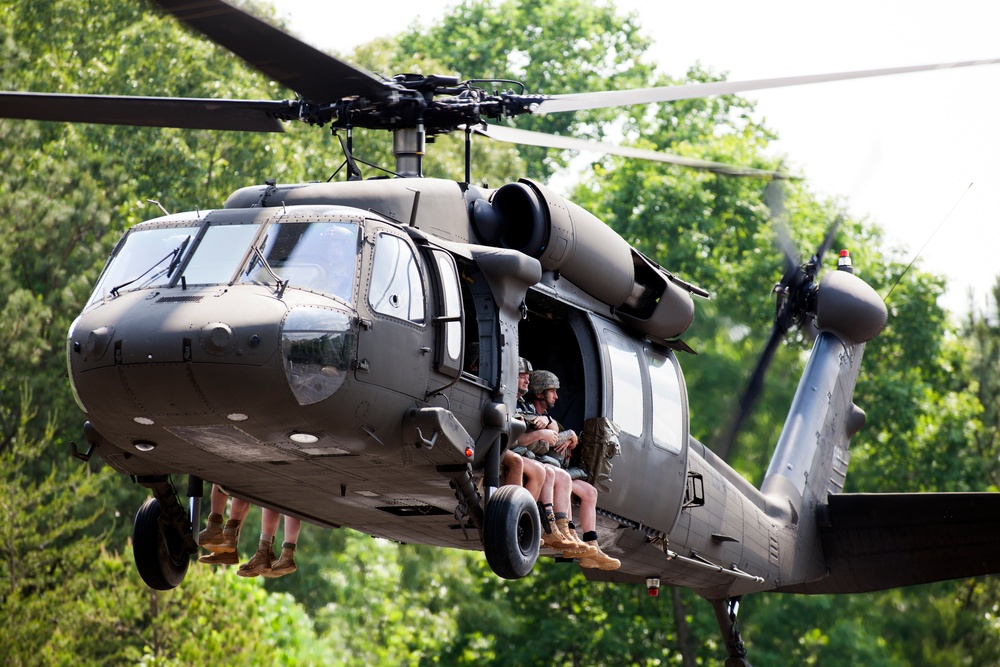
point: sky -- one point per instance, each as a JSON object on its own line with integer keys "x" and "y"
{"x": 915, "y": 153}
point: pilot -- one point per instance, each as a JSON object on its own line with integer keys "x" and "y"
{"x": 555, "y": 497}
{"x": 543, "y": 389}
{"x": 221, "y": 541}
{"x": 263, "y": 562}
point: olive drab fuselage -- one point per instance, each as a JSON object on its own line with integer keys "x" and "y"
{"x": 305, "y": 347}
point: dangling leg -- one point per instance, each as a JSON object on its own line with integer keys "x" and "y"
{"x": 552, "y": 537}
{"x": 588, "y": 523}
{"x": 286, "y": 561}
{"x": 212, "y": 535}
{"x": 261, "y": 561}
{"x": 563, "y": 501}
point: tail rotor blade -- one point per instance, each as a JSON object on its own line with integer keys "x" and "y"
{"x": 751, "y": 394}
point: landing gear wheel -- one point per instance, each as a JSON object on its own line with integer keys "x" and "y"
{"x": 512, "y": 532}
{"x": 160, "y": 558}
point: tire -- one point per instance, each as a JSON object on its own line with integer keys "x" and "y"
{"x": 160, "y": 560}
{"x": 512, "y": 532}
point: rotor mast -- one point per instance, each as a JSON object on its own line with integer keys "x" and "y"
{"x": 408, "y": 148}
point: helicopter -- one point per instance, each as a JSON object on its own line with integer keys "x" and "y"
{"x": 306, "y": 347}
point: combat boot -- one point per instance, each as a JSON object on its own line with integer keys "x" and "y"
{"x": 556, "y": 540}
{"x": 225, "y": 558}
{"x": 213, "y": 531}
{"x": 601, "y": 560}
{"x": 224, "y": 542}
{"x": 578, "y": 548}
{"x": 285, "y": 563}
{"x": 261, "y": 561}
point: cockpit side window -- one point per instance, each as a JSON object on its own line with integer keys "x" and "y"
{"x": 397, "y": 289}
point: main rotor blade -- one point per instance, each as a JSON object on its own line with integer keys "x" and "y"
{"x": 314, "y": 75}
{"x": 182, "y": 112}
{"x": 545, "y": 140}
{"x": 621, "y": 98}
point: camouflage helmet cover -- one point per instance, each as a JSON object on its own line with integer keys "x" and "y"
{"x": 523, "y": 366}
{"x": 541, "y": 381}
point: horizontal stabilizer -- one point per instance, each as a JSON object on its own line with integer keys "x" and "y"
{"x": 886, "y": 540}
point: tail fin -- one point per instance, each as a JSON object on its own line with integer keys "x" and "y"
{"x": 811, "y": 457}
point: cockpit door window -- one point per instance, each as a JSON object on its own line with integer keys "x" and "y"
{"x": 396, "y": 287}
{"x": 448, "y": 321}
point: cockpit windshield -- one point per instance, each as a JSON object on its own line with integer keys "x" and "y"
{"x": 143, "y": 259}
{"x": 317, "y": 256}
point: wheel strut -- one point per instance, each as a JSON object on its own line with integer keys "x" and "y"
{"x": 725, "y": 614}
{"x": 173, "y": 515}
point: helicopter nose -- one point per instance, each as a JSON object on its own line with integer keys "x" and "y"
{"x": 168, "y": 359}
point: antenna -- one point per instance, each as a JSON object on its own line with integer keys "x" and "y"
{"x": 159, "y": 205}
{"x": 936, "y": 230}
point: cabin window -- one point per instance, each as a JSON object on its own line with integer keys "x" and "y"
{"x": 668, "y": 406}
{"x": 626, "y": 384}
{"x": 317, "y": 256}
{"x": 396, "y": 287}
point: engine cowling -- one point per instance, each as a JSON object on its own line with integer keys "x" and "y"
{"x": 529, "y": 217}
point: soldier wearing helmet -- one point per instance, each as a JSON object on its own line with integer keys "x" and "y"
{"x": 543, "y": 387}
{"x": 555, "y": 496}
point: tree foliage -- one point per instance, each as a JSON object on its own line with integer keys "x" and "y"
{"x": 69, "y": 593}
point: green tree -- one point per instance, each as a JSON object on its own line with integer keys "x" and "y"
{"x": 69, "y": 192}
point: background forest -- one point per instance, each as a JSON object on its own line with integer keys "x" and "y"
{"x": 69, "y": 593}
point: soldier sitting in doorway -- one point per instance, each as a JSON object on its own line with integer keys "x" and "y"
{"x": 554, "y": 446}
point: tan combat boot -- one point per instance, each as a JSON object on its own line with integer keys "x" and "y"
{"x": 285, "y": 563}
{"x": 225, "y": 558}
{"x": 212, "y": 532}
{"x": 579, "y": 548}
{"x": 261, "y": 561}
{"x": 224, "y": 542}
{"x": 601, "y": 560}
{"x": 558, "y": 541}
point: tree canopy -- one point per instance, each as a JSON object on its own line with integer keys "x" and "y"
{"x": 69, "y": 593}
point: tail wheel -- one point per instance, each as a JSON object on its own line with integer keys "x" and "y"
{"x": 512, "y": 532}
{"x": 159, "y": 556}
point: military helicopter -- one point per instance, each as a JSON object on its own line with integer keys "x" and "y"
{"x": 306, "y": 346}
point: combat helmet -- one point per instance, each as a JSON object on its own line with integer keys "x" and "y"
{"x": 542, "y": 380}
{"x": 523, "y": 366}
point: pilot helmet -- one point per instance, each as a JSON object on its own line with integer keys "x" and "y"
{"x": 541, "y": 381}
{"x": 523, "y": 366}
